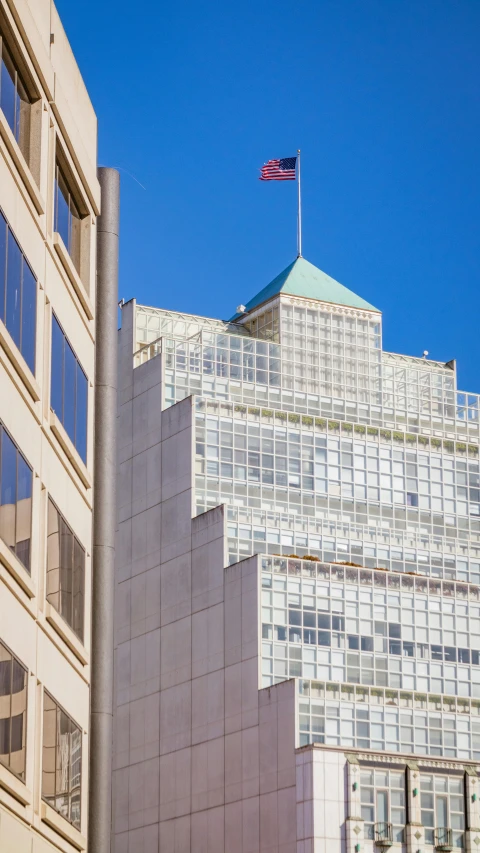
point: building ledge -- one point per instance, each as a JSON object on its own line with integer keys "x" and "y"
{"x": 69, "y": 448}
{"x": 55, "y": 820}
{"x": 66, "y": 633}
{"x": 18, "y": 361}
{"x": 73, "y": 275}
{"x": 17, "y": 569}
{"x": 21, "y": 164}
{"x": 14, "y": 786}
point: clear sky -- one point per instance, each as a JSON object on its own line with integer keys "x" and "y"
{"x": 382, "y": 97}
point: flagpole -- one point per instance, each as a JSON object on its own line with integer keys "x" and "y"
{"x": 299, "y": 215}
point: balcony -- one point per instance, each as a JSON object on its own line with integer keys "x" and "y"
{"x": 443, "y": 839}
{"x": 383, "y": 835}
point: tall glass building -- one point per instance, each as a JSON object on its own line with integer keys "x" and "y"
{"x": 298, "y": 583}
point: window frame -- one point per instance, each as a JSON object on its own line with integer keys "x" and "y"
{"x": 447, "y": 795}
{"x": 4, "y": 294}
{"x": 71, "y": 789}
{"x": 78, "y": 366}
{"x": 21, "y": 776}
{"x": 20, "y": 81}
{"x": 388, "y": 789}
{"x": 28, "y": 568}
{"x": 80, "y": 634}
{"x": 76, "y": 209}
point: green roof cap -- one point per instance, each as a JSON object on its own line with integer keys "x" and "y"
{"x": 301, "y": 278}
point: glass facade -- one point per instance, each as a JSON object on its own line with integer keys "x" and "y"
{"x": 15, "y": 498}
{"x": 13, "y": 712}
{"x": 380, "y": 480}
{"x": 333, "y": 369}
{"x": 346, "y": 624}
{"x": 61, "y": 761}
{"x": 392, "y": 721}
{"x": 65, "y": 570}
{"x": 69, "y": 389}
{"x": 18, "y": 294}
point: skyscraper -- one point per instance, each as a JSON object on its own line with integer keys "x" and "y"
{"x": 297, "y": 582}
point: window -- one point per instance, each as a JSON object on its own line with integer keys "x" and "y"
{"x": 382, "y": 794}
{"x": 65, "y": 570}
{"x": 62, "y": 761}
{"x": 69, "y": 389}
{"x": 443, "y": 809}
{"x": 18, "y": 294}
{"x": 67, "y": 217}
{"x": 15, "y": 499}
{"x": 13, "y": 712}
{"x": 14, "y": 100}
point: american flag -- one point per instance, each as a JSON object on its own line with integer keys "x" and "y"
{"x": 279, "y": 170}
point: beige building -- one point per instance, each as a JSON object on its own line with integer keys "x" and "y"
{"x": 49, "y": 202}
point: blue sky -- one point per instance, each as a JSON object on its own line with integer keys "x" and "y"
{"x": 382, "y": 97}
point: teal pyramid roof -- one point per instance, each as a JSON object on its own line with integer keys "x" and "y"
{"x": 301, "y": 278}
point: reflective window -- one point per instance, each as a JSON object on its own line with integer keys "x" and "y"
{"x": 14, "y": 101}
{"x": 15, "y": 499}
{"x": 69, "y": 389}
{"x": 18, "y": 294}
{"x": 62, "y": 761}
{"x": 67, "y": 217}
{"x": 65, "y": 570}
{"x": 13, "y": 712}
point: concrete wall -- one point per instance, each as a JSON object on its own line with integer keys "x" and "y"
{"x": 204, "y": 761}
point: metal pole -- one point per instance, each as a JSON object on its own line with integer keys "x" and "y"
{"x": 299, "y": 216}
{"x": 104, "y": 516}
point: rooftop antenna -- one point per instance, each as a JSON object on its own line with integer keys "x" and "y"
{"x": 425, "y": 353}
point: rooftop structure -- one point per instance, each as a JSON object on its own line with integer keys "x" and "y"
{"x": 298, "y": 575}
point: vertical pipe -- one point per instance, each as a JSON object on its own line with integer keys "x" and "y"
{"x": 299, "y": 215}
{"x": 104, "y": 516}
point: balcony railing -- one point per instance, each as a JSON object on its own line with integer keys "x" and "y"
{"x": 443, "y": 839}
{"x": 383, "y": 835}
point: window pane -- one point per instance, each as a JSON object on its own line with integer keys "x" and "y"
{"x": 62, "y": 772}
{"x": 442, "y": 811}
{"x": 8, "y": 490}
{"x": 29, "y": 315}
{"x": 14, "y": 271}
{"x": 48, "y": 752}
{"x": 75, "y": 234}
{"x": 66, "y": 571}
{"x": 76, "y": 775}
{"x": 53, "y": 557}
{"x": 7, "y": 89}
{"x": 13, "y": 706}
{"x": 78, "y": 588}
{"x": 81, "y": 414}
{"x": 61, "y": 209}
{"x": 3, "y": 265}
{"x": 24, "y": 511}
{"x": 69, "y": 391}
{"x": 56, "y": 392}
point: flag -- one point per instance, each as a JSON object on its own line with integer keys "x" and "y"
{"x": 279, "y": 170}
